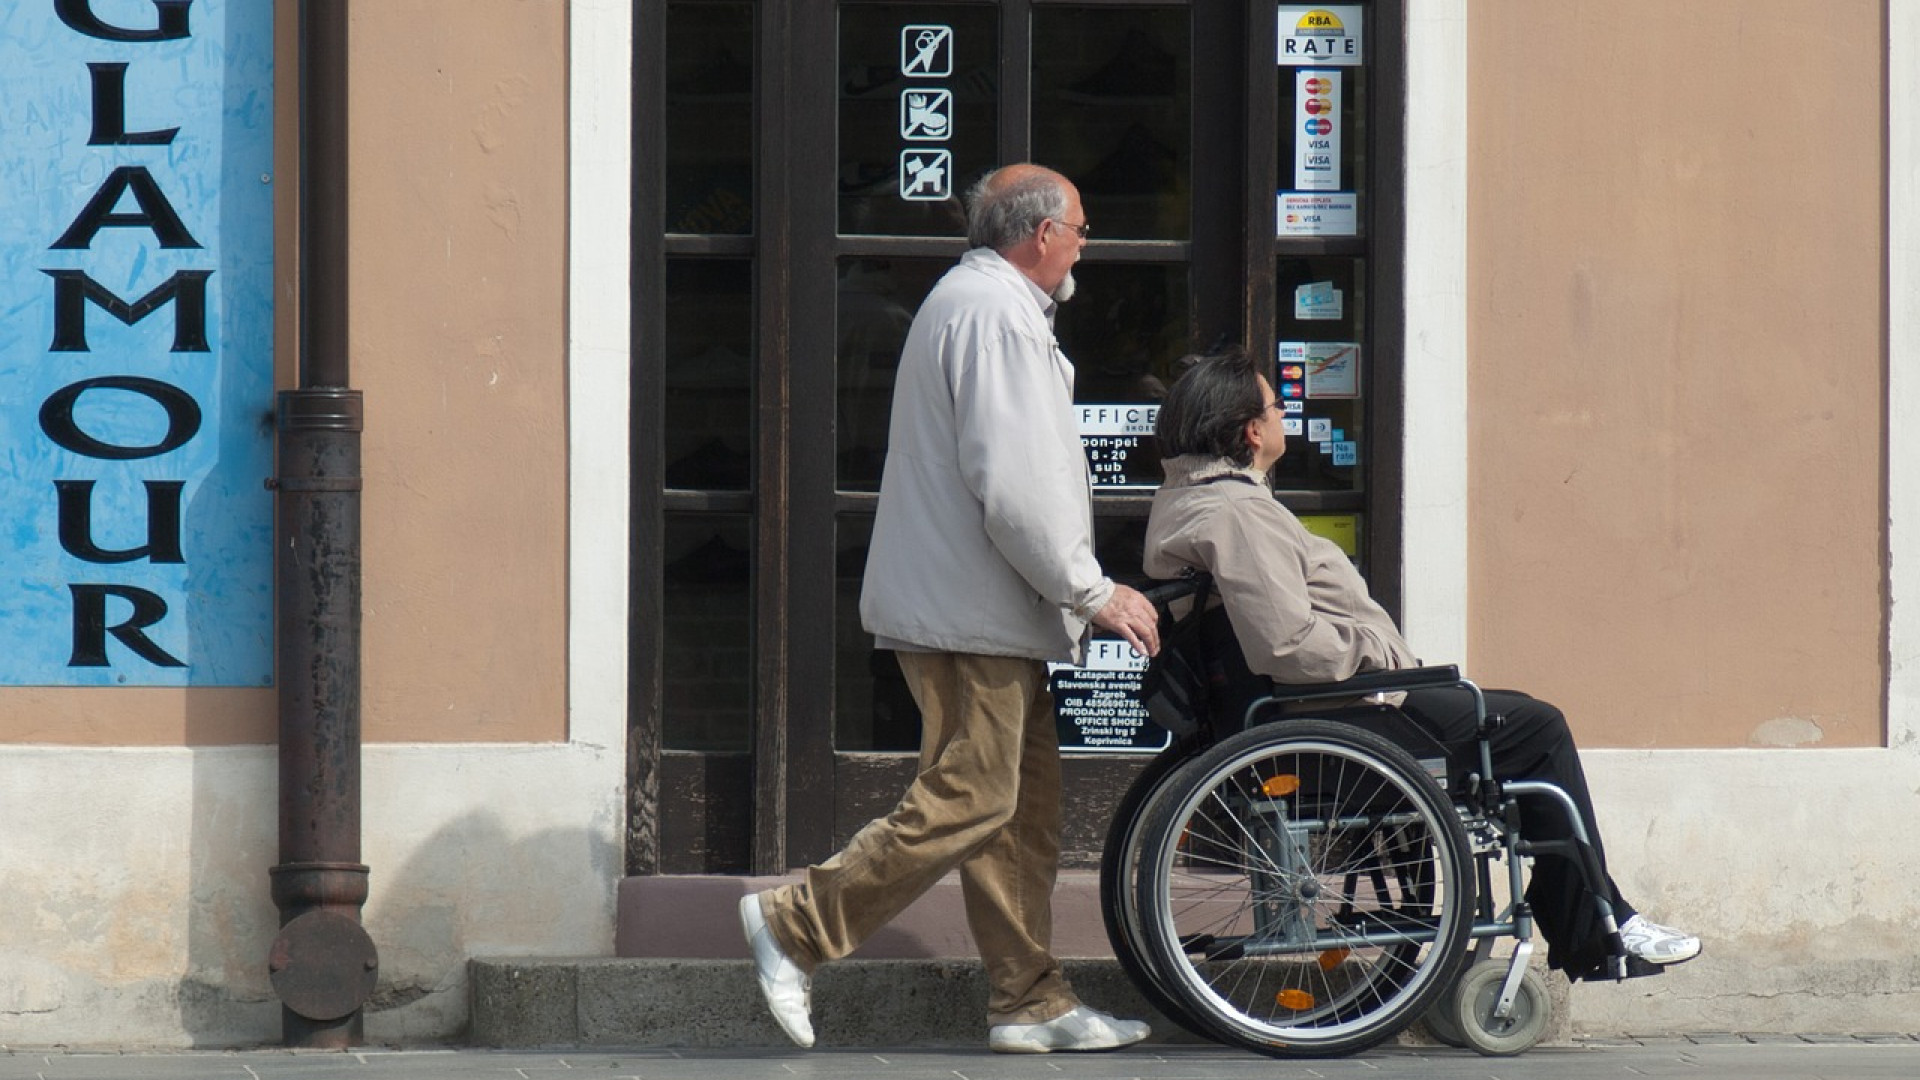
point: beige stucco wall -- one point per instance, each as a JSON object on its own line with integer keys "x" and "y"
{"x": 136, "y": 867}
{"x": 1676, "y": 321}
{"x": 458, "y": 231}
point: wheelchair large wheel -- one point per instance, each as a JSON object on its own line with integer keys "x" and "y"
{"x": 1305, "y": 889}
{"x": 1119, "y": 868}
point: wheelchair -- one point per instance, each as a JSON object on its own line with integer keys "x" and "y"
{"x": 1310, "y": 884}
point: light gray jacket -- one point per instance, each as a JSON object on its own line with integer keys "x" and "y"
{"x": 983, "y": 542}
{"x": 1301, "y": 611}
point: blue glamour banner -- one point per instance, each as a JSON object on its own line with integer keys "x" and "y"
{"x": 136, "y": 342}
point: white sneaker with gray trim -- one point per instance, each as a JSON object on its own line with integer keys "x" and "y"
{"x": 1658, "y": 944}
{"x": 1081, "y": 1029}
{"x": 788, "y": 991}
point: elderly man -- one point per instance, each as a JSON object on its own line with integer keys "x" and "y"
{"x": 981, "y": 570}
{"x": 1302, "y": 614}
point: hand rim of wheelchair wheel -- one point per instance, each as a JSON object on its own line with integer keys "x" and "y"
{"x": 1479, "y": 993}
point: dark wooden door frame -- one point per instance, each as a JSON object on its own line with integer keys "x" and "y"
{"x": 801, "y": 789}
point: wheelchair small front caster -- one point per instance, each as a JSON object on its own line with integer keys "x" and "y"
{"x": 1479, "y": 994}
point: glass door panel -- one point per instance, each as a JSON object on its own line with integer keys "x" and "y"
{"x": 707, "y": 632}
{"x": 707, "y": 425}
{"x": 918, "y": 114}
{"x": 1125, "y": 329}
{"x": 1319, "y": 373}
{"x": 1112, "y": 110}
{"x": 709, "y": 118}
{"x": 877, "y": 298}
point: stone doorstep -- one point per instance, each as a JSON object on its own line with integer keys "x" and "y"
{"x": 697, "y": 917}
{"x": 523, "y": 1003}
{"x": 681, "y": 977}
{"x": 604, "y": 1002}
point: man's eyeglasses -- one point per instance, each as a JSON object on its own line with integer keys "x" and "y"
{"x": 1083, "y": 228}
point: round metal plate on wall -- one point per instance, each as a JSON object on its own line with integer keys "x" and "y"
{"x": 323, "y": 965}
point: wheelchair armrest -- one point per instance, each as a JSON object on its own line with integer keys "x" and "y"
{"x": 1371, "y": 682}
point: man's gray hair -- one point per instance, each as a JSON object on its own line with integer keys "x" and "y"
{"x": 1001, "y": 217}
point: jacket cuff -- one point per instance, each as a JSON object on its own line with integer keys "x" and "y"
{"x": 1090, "y": 602}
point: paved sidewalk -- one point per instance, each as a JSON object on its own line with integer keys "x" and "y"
{"x": 1760, "y": 1057}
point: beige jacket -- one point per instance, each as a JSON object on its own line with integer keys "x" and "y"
{"x": 1299, "y": 608}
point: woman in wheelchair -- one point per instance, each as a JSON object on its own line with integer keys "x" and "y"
{"x": 1301, "y": 614}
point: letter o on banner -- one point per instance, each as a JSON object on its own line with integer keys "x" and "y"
{"x": 183, "y": 417}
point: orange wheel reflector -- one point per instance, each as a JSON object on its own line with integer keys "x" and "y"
{"x": 1279, "y": 786}
{"x": 1292, "y": 998}
{"x": 1333, "y": 958}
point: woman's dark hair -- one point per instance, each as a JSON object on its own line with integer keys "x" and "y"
{"x": 1207, "y": 410}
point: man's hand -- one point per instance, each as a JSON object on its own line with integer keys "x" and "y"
{"x": 1133, "y": 617}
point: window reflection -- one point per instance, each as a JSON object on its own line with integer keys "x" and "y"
{"x": 707, "y": 420}
{"x": 1112, "y": 102}
{"x": 877, "y": 300}
{"x": 709, "y": 118}
{"x": 707, "y": 631}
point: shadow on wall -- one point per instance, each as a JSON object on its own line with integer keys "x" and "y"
{"x": 470, "y": 887}
{"x": 474, "y": 889}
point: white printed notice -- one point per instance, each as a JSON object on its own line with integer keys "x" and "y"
{"x": 1332, "y": 368}
{"x": 1118, "y": 439}
{"x": 1326, "y": 36}
{"x": 1315, "y": 214}
{"x": 1316, "y": 143}
{"x": 1098, "y": 704}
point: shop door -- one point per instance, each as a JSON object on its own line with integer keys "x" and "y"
{"x": 796, "y": 196}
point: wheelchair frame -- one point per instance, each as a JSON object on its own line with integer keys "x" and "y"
{"x": 1310, "y": 853}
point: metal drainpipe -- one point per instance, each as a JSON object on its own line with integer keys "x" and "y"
{"x": 323, "y": 963}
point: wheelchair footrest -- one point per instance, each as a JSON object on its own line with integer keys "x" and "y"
{"x": 1640, "y": 969}
{"x": 1636, "y": 968}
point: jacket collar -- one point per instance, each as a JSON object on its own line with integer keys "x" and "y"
{"x": 991, "y": 263}
{"x": 1192, "y": 470}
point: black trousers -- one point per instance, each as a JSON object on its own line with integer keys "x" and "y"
{"x": 1533, "y": 744}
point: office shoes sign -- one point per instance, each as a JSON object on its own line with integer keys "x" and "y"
{"x": 136, "y": 355}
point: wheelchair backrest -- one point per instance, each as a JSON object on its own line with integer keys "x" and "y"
{"x": 1199, "y": 683}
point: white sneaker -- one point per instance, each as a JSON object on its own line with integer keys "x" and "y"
{"x": 788, "y": 991}
{"x": 1658, "y": 944}
{"x": 1081, "y": 1029}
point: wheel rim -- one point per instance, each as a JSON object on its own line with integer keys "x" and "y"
{"x": 1293, "y": 869}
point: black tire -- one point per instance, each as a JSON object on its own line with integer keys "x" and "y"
{"x": 1118, "y": 863}
{"x": 1305, "y": 889}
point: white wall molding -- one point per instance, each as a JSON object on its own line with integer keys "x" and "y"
{"x": 599, "y": 300}
{"x": 1434, "y": 510}
{"x": 1903, "y": 374}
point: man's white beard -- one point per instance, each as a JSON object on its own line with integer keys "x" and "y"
{"x": 1064, "y": 291}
